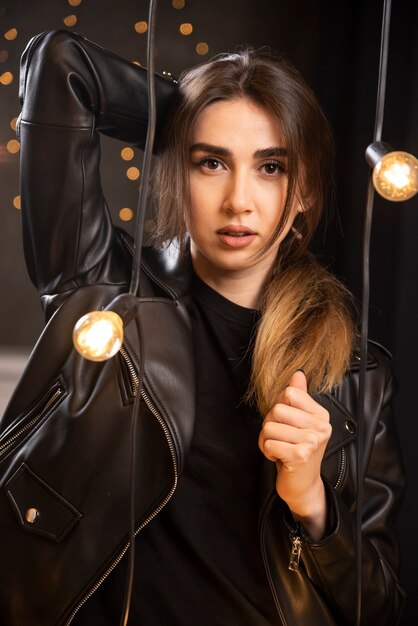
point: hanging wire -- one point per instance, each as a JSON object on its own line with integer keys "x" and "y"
{"x": 134, "y": 290}
{"x": 146, "y": 164}
{"x": 365, "y": 299}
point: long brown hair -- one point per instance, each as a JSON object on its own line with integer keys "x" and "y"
{"x": 305, "y": 320}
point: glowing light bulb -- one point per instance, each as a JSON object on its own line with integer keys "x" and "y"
{"x": 98, "y": 335}
{"x": 395, "y": 173}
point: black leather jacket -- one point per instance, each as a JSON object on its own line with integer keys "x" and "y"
{"x": 64, "y": 445}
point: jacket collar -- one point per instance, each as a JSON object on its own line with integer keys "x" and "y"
{"x": 169, "y": 269}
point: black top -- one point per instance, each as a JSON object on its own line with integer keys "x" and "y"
{"x": 199, "y": 562}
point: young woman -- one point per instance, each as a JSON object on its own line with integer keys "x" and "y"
{"x": 246, "y": 443}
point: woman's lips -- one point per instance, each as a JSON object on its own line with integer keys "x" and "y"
{"x": 236, "y": 236}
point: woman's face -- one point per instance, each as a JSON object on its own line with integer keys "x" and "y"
{"x": 238, "y": 184}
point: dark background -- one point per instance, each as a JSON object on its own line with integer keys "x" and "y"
{"x": 335, "y": 44}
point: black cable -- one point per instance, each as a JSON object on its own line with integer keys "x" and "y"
{"x": 383, "y": 67}
{"x": 146, "y": 163}
{"x": 364, "y": 323}
{"x": 365, "y": 300}
{"x": 134, "y": 290}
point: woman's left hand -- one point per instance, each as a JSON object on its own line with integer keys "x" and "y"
{"x": 294, "y": 435}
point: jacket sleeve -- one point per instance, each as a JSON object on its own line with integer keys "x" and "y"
{"x": 69, "y": 89}
{"x": 331, "y": 563}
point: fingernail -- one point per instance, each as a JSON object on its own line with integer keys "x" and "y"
{"x": 300, "y": 370}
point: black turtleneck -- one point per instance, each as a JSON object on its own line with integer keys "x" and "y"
{"x": 199, "y": 562}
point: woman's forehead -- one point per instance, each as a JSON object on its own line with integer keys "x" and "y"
{"x": 238, "y": 122}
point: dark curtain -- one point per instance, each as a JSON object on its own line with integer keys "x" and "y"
{"x": 346, "y": 81}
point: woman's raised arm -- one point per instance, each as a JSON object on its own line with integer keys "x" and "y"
{"x": 70, "y": 88}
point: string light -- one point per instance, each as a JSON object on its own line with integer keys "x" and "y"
{"x": 74, "y": 3}
{"x": 98, "y": 335}
{"x": 395, "y": 173}
{"x": 16, "y": 202}
{"x": 13, "y": 123}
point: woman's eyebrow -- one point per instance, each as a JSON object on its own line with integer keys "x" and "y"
{"x": 274, "y": 151}
{"x": 262, "y": 153}
{"x": 207, "y": 147}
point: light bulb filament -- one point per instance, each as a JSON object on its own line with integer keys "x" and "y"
{"x": 98, "y": 335}
{"x": 398, "y": 174}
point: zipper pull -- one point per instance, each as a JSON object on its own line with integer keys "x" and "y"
{"x": 295, "y": 554}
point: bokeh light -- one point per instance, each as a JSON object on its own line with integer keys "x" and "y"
{"x": 126, "y": 214}
{"x": 6, "y": 78}
{"x": 202, "y": 48}
{"x": 10, "y": 34}
{"x": 141, "y": 27}
{"x": 16, "y": 202}
{"x": 186, "y": 28}
{"x": 133, "y": 173}
{"x": 127, "y": 154}
{"x": 13, "y": 146}
{"x": 70, "y": 20}
{"x": 178, "y": 4}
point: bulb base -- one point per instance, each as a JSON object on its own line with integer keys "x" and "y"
{"x": 376, "y": 151}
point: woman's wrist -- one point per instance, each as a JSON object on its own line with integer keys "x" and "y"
{"x": 311, "y": 511}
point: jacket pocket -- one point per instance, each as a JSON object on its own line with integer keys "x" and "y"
{"x": 24, "y": 425}
{"x": 39, "y": 508}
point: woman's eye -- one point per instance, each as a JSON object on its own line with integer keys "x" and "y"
{"x": 211, "y": 164}
{"x": 273, "y": 168}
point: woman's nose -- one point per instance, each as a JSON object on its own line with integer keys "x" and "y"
{"x": 239, "y": 196}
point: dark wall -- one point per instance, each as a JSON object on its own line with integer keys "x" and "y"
{"x": 336, "y": 47}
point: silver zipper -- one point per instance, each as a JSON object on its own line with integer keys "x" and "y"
{"x": 342, "y": 469}
{"x": 132, "y": 373}
{"x": 117, "y": 560}
{"x": 295, "y": 554}
{"x": 30, "y": 423}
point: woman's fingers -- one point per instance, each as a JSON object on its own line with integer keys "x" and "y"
{"x": 297, "y": 428}
{"x": 298, "y": 398}
{"x": 295, "y": 416}
{"x": 293, "y": 445}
